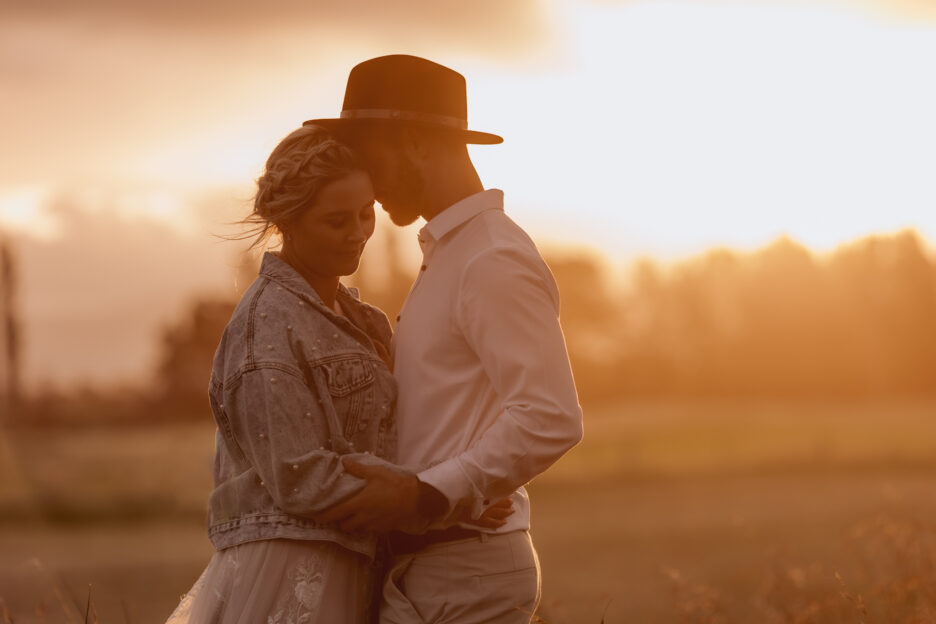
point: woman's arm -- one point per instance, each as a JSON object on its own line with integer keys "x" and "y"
{"x": 281, "y": 426}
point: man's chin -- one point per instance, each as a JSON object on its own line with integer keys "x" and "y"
{"x": 400, "y": 217}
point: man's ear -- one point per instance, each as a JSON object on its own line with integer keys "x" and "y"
{"x": 416, "y": 144}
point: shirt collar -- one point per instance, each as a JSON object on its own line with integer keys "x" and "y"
{"x": 460, "y": 213}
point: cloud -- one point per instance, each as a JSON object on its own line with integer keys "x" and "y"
{"x": 94, "y": 297}
{"x": 105, "y": 88}
{"x": 484, "y": 23}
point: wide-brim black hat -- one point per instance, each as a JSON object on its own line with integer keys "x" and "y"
{"x": 407, "y": 89}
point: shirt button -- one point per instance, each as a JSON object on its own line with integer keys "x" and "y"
{"x": 308, "y": 414}
{"x": 269, "y": 347}
{"x": 273, "y": 380}
{"x": 262, "y": 436}
{"x": 289, "y": 327}
{"x": 263, "y": 315}
{"x": 295, "y": 490}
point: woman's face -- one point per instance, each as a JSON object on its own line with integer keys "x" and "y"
{"x": 328, "y": 238}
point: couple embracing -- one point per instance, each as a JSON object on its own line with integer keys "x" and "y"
{"x": 363, "y": 473}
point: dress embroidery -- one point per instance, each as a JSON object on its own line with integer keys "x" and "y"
{"x": 299, "y": 606}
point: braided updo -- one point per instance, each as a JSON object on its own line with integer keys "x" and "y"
{"x": 303, "y": 163}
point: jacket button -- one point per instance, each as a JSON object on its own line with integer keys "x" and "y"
{"x": 308, "y": 414}
{"x": 272, "y": 379}
{"x": 263, "y": 315}
{"x": 295, "y": 466}
{"x": 269, "y": 347}
{"x": 334, "y": 335}
{"x": 295, "y": 490}
{"x": 289, "y": 327}
{"x": 262, "y": 436}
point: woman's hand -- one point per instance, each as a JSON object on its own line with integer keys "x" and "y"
{"x": 495, "y": 516}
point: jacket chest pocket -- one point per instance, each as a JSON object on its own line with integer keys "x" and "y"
{"x": 350, "y": 383}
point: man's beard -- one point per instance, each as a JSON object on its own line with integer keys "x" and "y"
{"x": 404, "y": 204}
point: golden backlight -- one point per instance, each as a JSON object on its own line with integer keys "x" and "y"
{"x": 737, "y": 200}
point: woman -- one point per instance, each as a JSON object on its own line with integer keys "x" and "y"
{"x": 300, "y": 380}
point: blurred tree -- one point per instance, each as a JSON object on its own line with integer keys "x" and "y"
{"x": 187, "y": 353}
{"x": 9, "y": 331}
{"x": 779, "y": 322}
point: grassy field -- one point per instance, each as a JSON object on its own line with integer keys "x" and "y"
{"x": 668, "y": 512}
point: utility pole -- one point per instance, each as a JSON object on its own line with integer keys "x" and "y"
{"x": 9, "y": 332}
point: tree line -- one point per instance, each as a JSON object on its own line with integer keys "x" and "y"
{"x": 780, "y": 322}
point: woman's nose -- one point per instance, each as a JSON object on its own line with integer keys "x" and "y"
{"x": 358, "y": 233}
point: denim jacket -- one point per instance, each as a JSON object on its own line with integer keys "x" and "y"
{"x": 294, "y": 388}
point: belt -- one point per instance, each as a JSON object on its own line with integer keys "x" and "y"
{"x": 400, "y": 543}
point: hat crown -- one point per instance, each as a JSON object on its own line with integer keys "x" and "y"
{"x": 408, "y": 84}
{"x": 403, "y": 89}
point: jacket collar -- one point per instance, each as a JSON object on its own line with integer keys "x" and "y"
{"x": 279, "y": 271}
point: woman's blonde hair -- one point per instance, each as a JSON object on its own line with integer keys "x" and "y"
{"x": 298, "y": 168}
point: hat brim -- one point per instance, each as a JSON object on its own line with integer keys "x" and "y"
{"x": 471, "y": 137}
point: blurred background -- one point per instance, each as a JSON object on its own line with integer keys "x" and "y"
{"x": 737, "y": 200}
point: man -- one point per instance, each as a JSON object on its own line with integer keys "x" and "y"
{"x": 486, "y": 397}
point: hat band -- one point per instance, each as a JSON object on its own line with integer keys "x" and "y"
{"x": 401, "y": 115}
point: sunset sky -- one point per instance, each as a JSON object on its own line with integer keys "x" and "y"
{"x": 132, "y": 132}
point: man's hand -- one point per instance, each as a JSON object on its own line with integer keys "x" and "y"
{"x": 494, "y": 516}
{"x": 388, "y": 501}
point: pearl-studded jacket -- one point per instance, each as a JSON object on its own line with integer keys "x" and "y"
{"x": 294, "y": 388}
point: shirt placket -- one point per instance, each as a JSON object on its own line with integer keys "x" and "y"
{"x": 427, "y": 244}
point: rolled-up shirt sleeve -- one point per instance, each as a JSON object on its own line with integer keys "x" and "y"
{"x": 281, "y": 426}
{"x": 508, "y": 313}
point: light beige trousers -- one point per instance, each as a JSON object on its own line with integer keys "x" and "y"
{"x": 495, "y": 579}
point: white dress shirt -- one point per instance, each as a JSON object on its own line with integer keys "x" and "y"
{"x": 486, "y": 397}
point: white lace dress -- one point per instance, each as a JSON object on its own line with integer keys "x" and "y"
{"x": 280, "y": 582}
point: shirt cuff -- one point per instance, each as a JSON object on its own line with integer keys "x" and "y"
{"x": 451, "y": 480}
